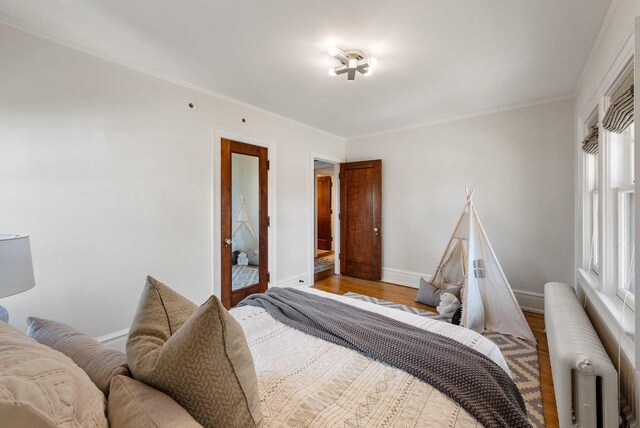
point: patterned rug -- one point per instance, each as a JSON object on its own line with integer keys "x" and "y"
{"x": 521, "y": 356}
{"x": 243, "y": 276}
{"x": 324, "y": 263}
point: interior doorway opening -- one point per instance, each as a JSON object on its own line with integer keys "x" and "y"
{"x": 325, "y": 176}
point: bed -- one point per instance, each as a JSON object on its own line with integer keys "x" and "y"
{"x": 305, "y": 381}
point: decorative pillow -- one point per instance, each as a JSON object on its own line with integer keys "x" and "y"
{"x": 203, "y": 361}
{"x": 430, "y": 295}
{"x": 98, "y": 361}
{"x": 40, "y": 387}
{"x": 134, "y": 404}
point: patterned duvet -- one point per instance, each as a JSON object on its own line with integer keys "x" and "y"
{"x": 308, "y": 382}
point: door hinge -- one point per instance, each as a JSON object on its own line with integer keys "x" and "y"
{"x": 269, "y": 277}
{"x": 268, "y": 164}
{"x": 340, "y": 216}
{"x": 339, "y": 256}
{"x": 268, "y": 221}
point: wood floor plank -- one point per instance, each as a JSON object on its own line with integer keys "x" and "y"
{"x": 404, "y": 295}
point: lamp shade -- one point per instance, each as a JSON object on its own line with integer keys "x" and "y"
{"x": 16, "y": 267}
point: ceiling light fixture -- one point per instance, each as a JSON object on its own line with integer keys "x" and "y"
{"x": 352, "y": 60}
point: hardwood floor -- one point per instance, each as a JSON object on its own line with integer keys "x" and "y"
{"x": 323, "y": 253}
{"x": 405, "y": 296}
{"x": 322, "y": 275}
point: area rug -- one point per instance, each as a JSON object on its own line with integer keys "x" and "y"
{"x": 244, "y": 276}
{"x": 324, "y": 263}
{"x": 521, "y": 356}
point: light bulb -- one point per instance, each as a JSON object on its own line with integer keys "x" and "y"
{"x": 332, "y": 72}
{"x": 353, "y": 63}
{"x": 372, "y": 61}
{"x": 333, "y": 51}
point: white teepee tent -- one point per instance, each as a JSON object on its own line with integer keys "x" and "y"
{"x": 469, "y": 261}
{"x": 243, "y": 220}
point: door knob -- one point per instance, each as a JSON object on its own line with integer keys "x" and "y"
{"x": 227, "y": 242}
{"x": 376, "y": 230}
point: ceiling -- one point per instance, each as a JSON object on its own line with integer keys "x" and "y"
{"x": 437, "y": 59}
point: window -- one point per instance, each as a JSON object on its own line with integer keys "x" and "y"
{"x": 622, "y": 150}
{"x": 609, "y": 191}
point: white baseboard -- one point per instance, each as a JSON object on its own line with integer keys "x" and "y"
{"x": 529, "y": 301}
{"x": 116, "y": 340}
{"x": 403, "y": 277}
{"x": 301, "y": 280}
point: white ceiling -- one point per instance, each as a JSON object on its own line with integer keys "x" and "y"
{"x": 436, "y": 59}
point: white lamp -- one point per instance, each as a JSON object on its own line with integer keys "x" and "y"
{"x": 16, "y": 268}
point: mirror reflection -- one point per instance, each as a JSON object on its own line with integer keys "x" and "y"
{"x": 245, "y": 209}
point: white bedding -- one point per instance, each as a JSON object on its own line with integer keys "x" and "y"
{"x": 308, "y": 382}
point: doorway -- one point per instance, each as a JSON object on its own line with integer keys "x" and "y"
{"x": 324, "y": 262}
{"x": 356, "y": 219}
{"x": 244, "y": 221}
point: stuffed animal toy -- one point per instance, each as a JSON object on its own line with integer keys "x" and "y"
{"x": 448, "y": 306}
{"x": 243, "y": 260}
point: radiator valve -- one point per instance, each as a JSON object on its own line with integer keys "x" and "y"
{"x": 586, "y": 367}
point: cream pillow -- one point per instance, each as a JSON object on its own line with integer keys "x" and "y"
{"x": 202, "y": 361}
{"x": 133, "y": 404}
{"x": 40, "y": 387}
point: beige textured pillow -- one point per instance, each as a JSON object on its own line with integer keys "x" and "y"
{"x": 40, "y": 387}
{"x": 203, "y": 362}
{"x": 98, "y": 361}
{"x": 134, "y": 404}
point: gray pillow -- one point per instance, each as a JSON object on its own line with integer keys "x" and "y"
{"x": 100, "y": 362}
{"x": 430, "y": 295}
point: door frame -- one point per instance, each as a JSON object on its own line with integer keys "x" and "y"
{"x": 218, "y": 133}
{"x": 311, "y": 210}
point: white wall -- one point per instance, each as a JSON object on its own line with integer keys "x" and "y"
{"x": 519, "y": 162}
{"x": 111, "y": 174}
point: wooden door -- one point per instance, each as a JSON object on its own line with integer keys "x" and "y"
{"x": 324, "y": 211}
{"x": 361, "y": 219}
{"x": 245, "y": 221}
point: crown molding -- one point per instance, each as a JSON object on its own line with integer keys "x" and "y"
{"x": 624, "y": 52}
{"x": 596, "y": 45}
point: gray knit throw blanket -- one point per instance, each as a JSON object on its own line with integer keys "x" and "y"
{"x": 463, "y": 374}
